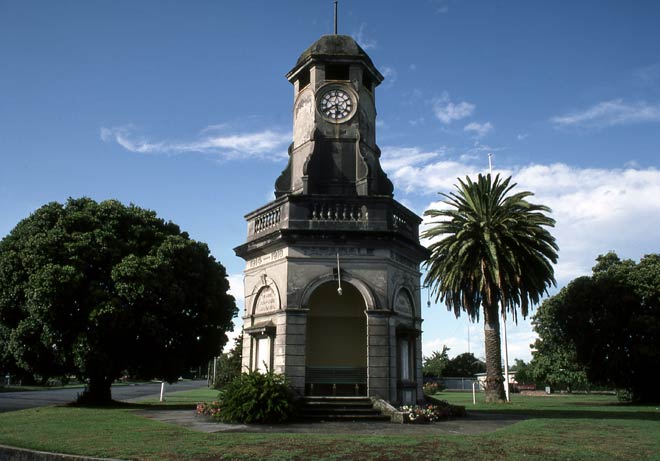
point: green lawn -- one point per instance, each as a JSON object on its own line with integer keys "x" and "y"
{"x": 191, "y": 397}
{"x": 559, "y": 428}
{"x": 31, "y": 388}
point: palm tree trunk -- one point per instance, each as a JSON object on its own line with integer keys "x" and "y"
{"x": 494, "y": 380}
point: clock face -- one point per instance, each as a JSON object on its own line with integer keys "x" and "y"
{"x": 336, "y": 104}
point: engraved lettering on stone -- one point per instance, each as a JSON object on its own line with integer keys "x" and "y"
{"x": 403, "y": 303}
{"x": 258, "y": 261}
{"x": 304, "y": 120}
{"x": 267, "y": 301}
{"x": 330, "y": 251}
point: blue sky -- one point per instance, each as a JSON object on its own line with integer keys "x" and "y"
{"x": 183, "y": 108}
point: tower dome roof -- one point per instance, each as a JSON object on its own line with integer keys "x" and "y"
{"x": 335, "y": 48}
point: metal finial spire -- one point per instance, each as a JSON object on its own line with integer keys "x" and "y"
{"x": 335, "y": 17}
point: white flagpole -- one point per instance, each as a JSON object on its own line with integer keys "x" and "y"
{"x": 338, "y": 275}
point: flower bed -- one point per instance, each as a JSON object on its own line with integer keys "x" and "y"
{"x": 431, "y": 412}
{"x": 212, "y": 410}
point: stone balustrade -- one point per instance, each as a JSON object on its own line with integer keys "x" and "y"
{"x": 300, "y": 212}
{"x": 329, "y": 211}
{"x": 267, "y": 220}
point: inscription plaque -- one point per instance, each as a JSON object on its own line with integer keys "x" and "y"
{"x": 267, "y": 301}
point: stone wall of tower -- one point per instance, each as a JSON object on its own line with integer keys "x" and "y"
{"x": 294, "y": 272}
{"x": 334, "y": 218}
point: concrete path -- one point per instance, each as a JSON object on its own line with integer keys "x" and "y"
{"x": 473, "y": 423}
{"x": 10, "y": 401}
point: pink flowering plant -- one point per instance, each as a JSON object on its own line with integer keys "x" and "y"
{"x": 212, "y": 410}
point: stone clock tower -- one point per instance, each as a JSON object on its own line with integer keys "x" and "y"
{"x": 332, "y": 295}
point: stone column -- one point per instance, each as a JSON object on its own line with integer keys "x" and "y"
{"x": 290, "y": 350}
{"x": 419, "y": 376}
{"x": 378, "y": 353}
{"x": 394, "y": 365}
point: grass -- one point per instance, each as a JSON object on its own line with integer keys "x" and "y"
{"x": 558, "y": 428}
{"x": 556, "y": 405}
{"x": 190, "y": 398}
{"x": 30, "y": 388}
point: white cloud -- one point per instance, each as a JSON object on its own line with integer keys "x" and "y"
{"x": 412, "y": 97}
{"x": 363, "y": 41}
{"x": 609, "y": 113}
{"x": 394, "y": 158}
{"x": 233, "y": 334}
{"x": 429, "y": 178}
{"x": 446, "y": 111}
{"x": 519, "y": 337}
{"x": 390, "y": 75}
{"x": 441, "y": 6}
{"x": 261, "y": 144}
{"x": 122, "y": 135}
{"x": 455, "y": 344}
{"x": 522, "y": 136}
{"x": 648, "y": 75}
{"x": 236, "y": 289}
{"x": 596, "y": 209}
{"x": 479, "y": 129}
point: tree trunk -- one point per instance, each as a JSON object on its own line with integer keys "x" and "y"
{"x": 97, "y": 391}
{"x": 494, "y": 379}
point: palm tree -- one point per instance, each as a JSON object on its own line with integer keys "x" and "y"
{"x": 490, "y": 250}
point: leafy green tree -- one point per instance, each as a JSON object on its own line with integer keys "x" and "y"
{"x": 100, "y": 289}
{"x": 228, "y": 365}
{"x": 611, "y": 323}
{"x": 434, "y": 365}
{"x": 554, "y": 361}
{"x": 523, "y": 372}
{"x": 464, "y": 365}
{"x": 490, "y": 252}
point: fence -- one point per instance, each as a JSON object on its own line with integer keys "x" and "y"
{"x": 459, "y": 384}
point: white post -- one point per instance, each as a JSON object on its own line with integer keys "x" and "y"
{"x": 162, "y": 390}
{"x": 506, "y": 361}
{"x": 339, "y": 290}
{"x": 474, "y": 393}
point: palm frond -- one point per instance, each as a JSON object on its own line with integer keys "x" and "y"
{"x": 491, "y": 246}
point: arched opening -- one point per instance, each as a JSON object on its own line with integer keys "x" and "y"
{"x": 336, "y": 346}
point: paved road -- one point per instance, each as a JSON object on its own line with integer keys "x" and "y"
{"x": 10, "y": 401}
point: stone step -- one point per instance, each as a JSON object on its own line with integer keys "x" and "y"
{"x": 349, "y": 400}
{"x": 340, "y": 409}
{"x": 338, "y": 405}
{"x": 343, "y": 417}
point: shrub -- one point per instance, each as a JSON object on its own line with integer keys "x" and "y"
{"x": 432, "y": 388}
{"x": 228, "y": 365}
{"x": 254, "y": 397}
{"x": 624, "y": 395}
